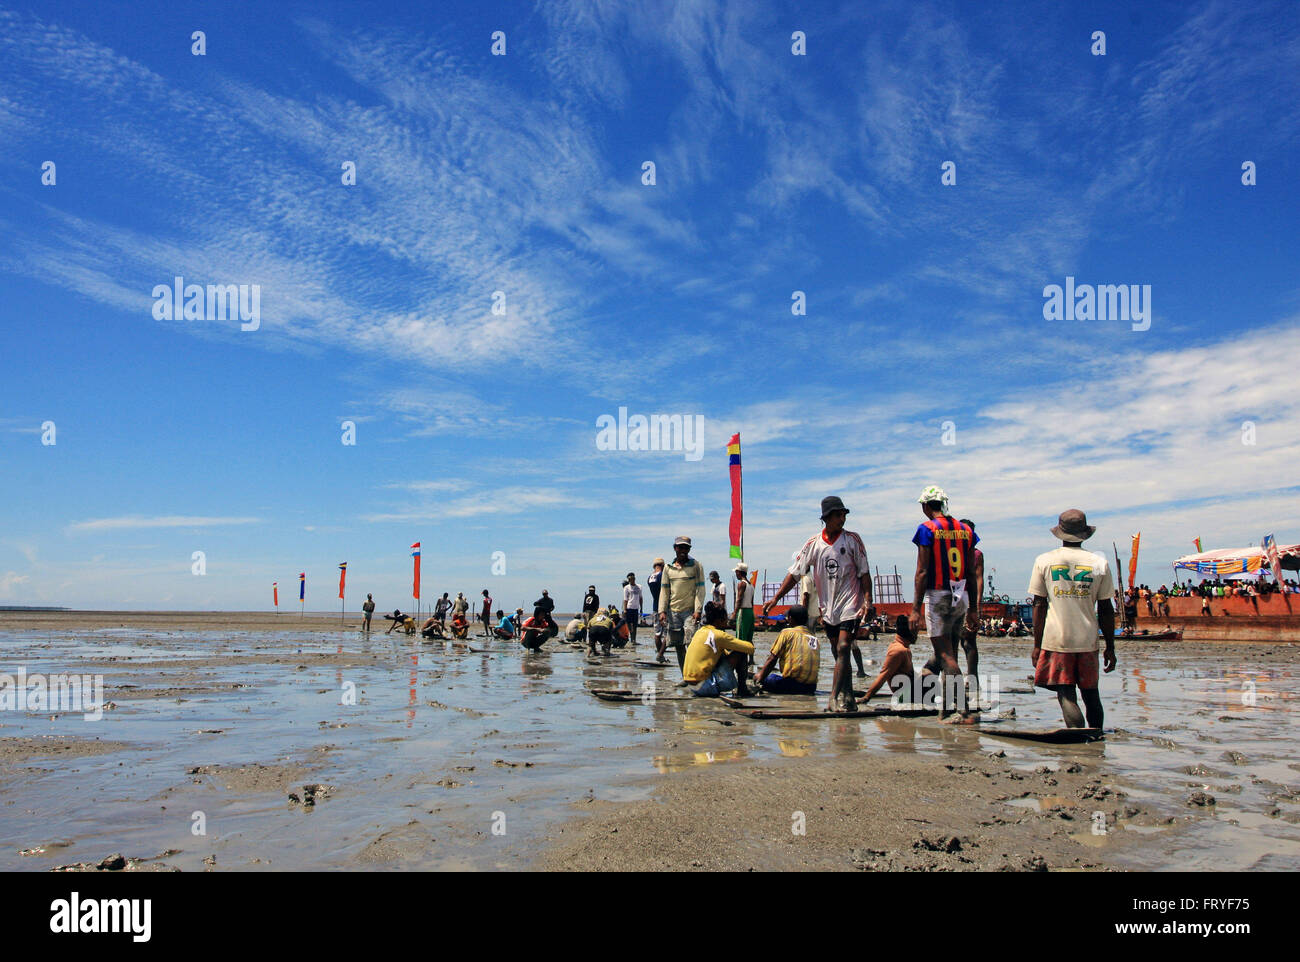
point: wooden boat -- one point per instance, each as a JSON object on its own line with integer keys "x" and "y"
{"x": 1169, "y": 634}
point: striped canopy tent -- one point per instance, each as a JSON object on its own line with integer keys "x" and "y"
{"x": 1237, "y": 561}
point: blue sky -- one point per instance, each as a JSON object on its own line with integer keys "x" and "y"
{"x": 775, "y": 173}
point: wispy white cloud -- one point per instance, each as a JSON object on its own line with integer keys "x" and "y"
{"x": 166, "y": 521}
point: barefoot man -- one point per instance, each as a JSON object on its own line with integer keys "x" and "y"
{"x": 681, "y": 597}
{"x": 838, "y": 562}
{"x": 1071, "y": 588}
{"x": 945, "y": 586}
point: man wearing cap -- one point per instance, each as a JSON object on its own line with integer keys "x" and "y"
{"x": 838, "y": 561}
{"x": 681, "y": 596}
{"x": 743, "y": 615}
{"x": 945, "y": 586}
{"x": 1072, "y": 589}
{"x": 652, "y": 582}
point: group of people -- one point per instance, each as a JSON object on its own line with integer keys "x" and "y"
{"x": 450, "y": 619}
{"x": 1072, "y": 614}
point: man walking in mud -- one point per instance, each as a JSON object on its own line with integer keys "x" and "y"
{"x": 947, "y": 588}
{"x": 1072, "y": 589}
{"x": 838, "y": 561}
{"x": 681, "y": 596}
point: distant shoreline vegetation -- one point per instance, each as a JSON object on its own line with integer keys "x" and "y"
{"x": 30, "y": 608}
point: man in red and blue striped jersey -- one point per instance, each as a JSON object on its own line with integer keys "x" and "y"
{"x": 945, "y": 587}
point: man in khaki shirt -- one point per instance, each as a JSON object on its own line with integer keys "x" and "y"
{"x": 681, "y": 595}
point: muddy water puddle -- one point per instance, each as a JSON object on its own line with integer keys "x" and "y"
{"x": 430, "y": 756}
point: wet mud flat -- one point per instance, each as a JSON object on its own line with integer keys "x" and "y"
{"x": 245, "y": 747}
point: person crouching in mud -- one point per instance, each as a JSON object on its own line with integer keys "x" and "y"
{"x": 715, "y": 660}
{"x": 600, "y": 631}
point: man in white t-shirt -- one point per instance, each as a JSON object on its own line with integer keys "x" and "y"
{"x": 631, "y": 606}
{"x": 837, "y": 560}
{"x": 1072, "y": 591}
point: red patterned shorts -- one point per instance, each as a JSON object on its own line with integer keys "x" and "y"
{"x": 1067, "y": 668}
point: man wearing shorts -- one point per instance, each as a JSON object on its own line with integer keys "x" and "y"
{"x": 681, "y": 596}
{"x": 945, "y": 583}
{"x": 838, "y": 561}
{"x": 441, "y": 608}
{"x": 367, "y": 610}
{"x": 1072, "y": 589}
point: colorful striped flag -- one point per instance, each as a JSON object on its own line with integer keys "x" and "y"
{"x": 275, "y": 593}
{"x": 415, "y": 582}
{"x": 1133, "y": 560}
{"x": 1197, "y": 542}
{"x": 1274, "y": 559}
{"x": 735, "y": 529}
{"x": 343, "y": 576}
{"x": 302, "y": 586}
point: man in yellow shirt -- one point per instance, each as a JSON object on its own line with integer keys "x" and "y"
{"x": 799, "y": 656}
{"x": 714, "y": 656}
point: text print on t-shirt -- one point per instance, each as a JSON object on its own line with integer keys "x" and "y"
{"x": 1080, "y": 575}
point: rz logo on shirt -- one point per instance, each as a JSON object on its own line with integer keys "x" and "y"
{"x": 1062, "y": 573}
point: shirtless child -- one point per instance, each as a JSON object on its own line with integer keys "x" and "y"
{"x": 898, "y": 664}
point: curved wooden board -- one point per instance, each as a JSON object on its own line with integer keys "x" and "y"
{"x": 1055, "y": 736}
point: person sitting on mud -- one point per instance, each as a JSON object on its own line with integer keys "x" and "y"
{"x": 459, "y": 625}
{"x": 898, "y": 664}
{"x": 714, "y": 658}
{"x": 799, "y": 658}
{"x": 575, "y": 632}
{"x": 432, "y": 629}
{"x": 505, "y": 626}
{"x": 535, "y": 632}
{"x": 600, "y": 631}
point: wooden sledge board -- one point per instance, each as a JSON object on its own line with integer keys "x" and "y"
{"x": 910, "y": 712}
{"x": 1055, "y": 736}
{"x": 632, "y": 696}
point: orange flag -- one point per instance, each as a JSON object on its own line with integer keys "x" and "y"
{"x": 1133, "y": 560}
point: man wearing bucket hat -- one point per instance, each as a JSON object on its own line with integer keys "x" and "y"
{"x": 945, "y": 588}
{"x": 1072, "y": 589}
{"x": 838, "y": 561}
{"x": 681, "y": 596}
